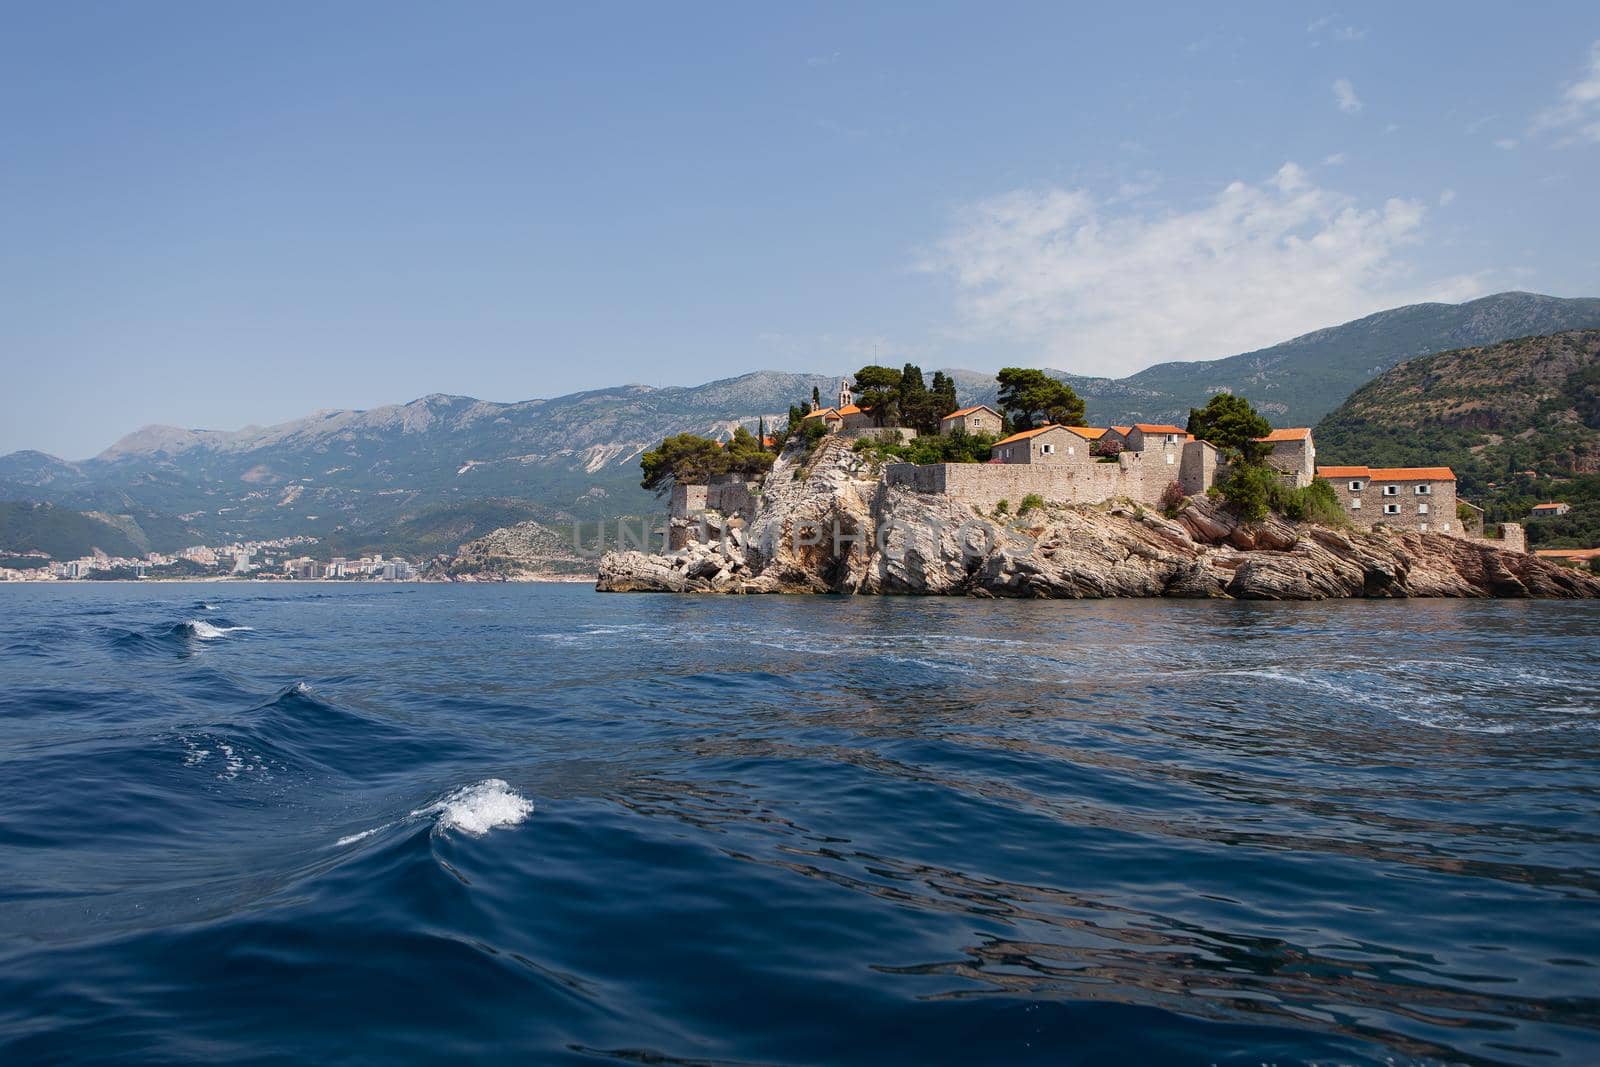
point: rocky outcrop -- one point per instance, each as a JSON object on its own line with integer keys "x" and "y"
{"x": 526, "y": 552}
{"x": 829, "y": 524}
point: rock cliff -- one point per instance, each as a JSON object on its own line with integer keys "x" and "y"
{"x": 828, "y": 524}
{"x": 525, "y": 552}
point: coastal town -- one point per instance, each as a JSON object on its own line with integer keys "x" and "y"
{"x": 279, "y": 559}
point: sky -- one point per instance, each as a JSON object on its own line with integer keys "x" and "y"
{"x": 216, "y": 215}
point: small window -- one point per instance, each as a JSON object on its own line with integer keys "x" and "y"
{"x": 1355, "y": 504}
{"x": 1391, "y": 490}
{"x": 1169, "y": 459}
{"x": 1422, "y": 526}
{"x": 1444, "y": 527}
{"x": 1047, "y": 449}
{"x": 1424, "y": 490}
{"x": 1391, "y": 509}
{"x": 1422, "y": 509}
{"x": 1071, "y": 451}
{"x": 1357, "y": 486}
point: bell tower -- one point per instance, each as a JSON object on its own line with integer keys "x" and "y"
{"x": 845, "y": 398}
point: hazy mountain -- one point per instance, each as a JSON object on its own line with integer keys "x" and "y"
{"x": 357, "y": 477}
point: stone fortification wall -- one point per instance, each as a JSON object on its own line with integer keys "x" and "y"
{"x": 1138, "y": 476}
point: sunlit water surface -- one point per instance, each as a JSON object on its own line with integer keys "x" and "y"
{"x": 300, "y": 823}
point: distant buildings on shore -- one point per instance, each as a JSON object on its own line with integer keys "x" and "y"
{"x": 260, "y": 560}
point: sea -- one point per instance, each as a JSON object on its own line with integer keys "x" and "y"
{"x": 309, "y": 823}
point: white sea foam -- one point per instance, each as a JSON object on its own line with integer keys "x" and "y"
{"x": 473, "y": 809}
{"x": 207, "y": 631}
{"x": 477, "y": 809}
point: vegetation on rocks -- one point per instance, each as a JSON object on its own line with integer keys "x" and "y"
{"x": 688, "y": 457}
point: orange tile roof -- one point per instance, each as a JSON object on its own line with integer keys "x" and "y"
{"x": 1568, "y": 554}
{"x": 1413, "y": 474}
{"x": 1542, "y": 507}
{"x": 1090, "y": 433}
{"x": 1287, "y": 433}
{"x": 969, "y": 411}
{"x": 822, "y": 413}
{"x": 851, "y": 409}
{"x": 1156, "y": 427}
{"x": 1344, "y": 472}
{"x": 1025, "y": 434}
{"x": 1123, "y": 430}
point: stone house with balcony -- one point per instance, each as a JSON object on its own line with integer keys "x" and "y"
{"x": 1422, "y": 499}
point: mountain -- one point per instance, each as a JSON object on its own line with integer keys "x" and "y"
{"x": 1297, "y": 382}
{"x": 1519, "y": 422}
{"x": 358, "y": 478}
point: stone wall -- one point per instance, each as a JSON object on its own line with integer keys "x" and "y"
{"x": 1138, "y": 476}
{"x": 1440, "y": 502}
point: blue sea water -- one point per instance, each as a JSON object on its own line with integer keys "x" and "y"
{"x": 252, "y": 823}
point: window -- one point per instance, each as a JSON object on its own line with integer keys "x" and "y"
{"x": 1071, "y": 451}
{"x": 1357, "y": 486}
{"x": 1169, "y": 459}
{"x": 1444, "y": 527}
{"x": 1355, "y": 504}
{"x": 1424, "y": 490}
{"x": 1391, "y": 490}
{"x": 1047, "y": 449}
{"x": 1422, "y": 509}
{"x": 1422, "y": 526}
{"x": 1391, "y": 509}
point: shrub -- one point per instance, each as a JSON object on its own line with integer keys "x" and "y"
{"x": 1030, "y": 502}
{"x": 1249, "y": 490}
{"x": 1172, "y": 498}
{"x": 1002, "y": 508}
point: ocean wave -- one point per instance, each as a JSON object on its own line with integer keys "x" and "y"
{"x": 473, "y": 809}
{"x": 201, "y": 630}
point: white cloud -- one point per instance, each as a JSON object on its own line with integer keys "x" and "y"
{"x": 1578, "y": 111}
{"x": 1344, "y": 94}
{"x": 1338, "y": 159}
{"x": 1506, "y": 144}
{"x": 1102, "y": 289}
{"x": 1329, "y": 27}
{"x": 1447, "y": 198}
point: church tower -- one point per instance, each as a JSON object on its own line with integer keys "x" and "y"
{"x": 845, "y": 398}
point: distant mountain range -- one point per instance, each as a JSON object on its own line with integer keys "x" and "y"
{"x": 447, "y": 466}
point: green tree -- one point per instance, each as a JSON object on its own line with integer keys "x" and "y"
{"x": 942, "y": 396}
{"x": 916, "y": 407}
{"x": 684, "y": 457}
{"x": 1031, "y": 398}
{"x": 1230, "y": 423}
{"x": 878, "y": 388}
{"x": 816, "y": 398}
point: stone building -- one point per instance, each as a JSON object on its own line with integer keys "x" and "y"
{"x": 1145, "y": 435}
{"x": 1044, "y": 444}
{"x": 1293, "y": 455}
{"x": 1543, "y": 511}
{"x": 1408, "y": 498}
{"x": 974, "y": 420}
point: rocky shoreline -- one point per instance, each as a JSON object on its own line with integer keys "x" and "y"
{"x": 829, "y": 524}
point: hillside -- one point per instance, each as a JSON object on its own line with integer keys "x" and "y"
{"x": 67, "y": 534}
{"x": 1519, "y": 421}
{"x": 360, "y": 478}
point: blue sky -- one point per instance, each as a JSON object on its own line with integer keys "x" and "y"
{"x": 221, "y": 214}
